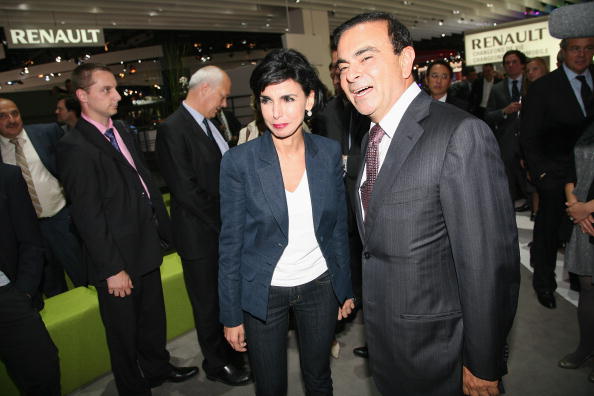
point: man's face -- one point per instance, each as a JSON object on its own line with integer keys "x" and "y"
{"x": 488, "y": 72}
{"x": 578, "y": 53}
{"x": 61, "y": 111}
{"x": 513, "y": 66}
{"x": 100, "y": 100}
{"x": 438, "y": 80}
{"x": 216, "y": 97}
{"x": 372, "y": 76}
{"x": 11, "y": 123}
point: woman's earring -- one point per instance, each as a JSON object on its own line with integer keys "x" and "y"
{"x": 308, "y": 112}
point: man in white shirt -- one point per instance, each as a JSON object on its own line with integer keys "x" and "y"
{"x": 32, "y": 148}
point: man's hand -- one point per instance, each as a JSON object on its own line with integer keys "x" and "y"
{"x": 235, "y": 336}
{"x": 513, "y": 107}
{"x": 120, "y": 284}
{"x": 474, "y": 386}
{"x": 346, "y": 309}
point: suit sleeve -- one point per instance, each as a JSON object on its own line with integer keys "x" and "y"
{"x": 231, "y": 241}
{"x": 79, "y": 175}
{"x": 493, "y": 113}
{"x": 532, "y": 131}
{"x": 482, "y": 231}
{"x": 176, "y": 168}
{"x": 28, "y": 235}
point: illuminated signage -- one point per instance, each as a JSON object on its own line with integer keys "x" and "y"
{"x": 28, "y": 37}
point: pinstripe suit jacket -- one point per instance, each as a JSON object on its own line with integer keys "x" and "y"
{"x": 440, "y": 255}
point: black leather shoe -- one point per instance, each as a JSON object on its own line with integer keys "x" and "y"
{"x": 547, "y": 299}
{"x": 230, "y": 375}
{"x": 572, "y": 361}
{"x": 176, "y": 374}
{"x": 361, "y": 352}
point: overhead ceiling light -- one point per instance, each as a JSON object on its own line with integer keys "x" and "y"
{"x": 243, "y": 23}
{"x": 455, "y": 12}
{"x": 494, "y": 23}
{"x": 23, "y": 6}
{"x": 113, "y": 23}
{"x": 440, "y": 22}
{"x": 153, "y": 13}
{"x": 490, "y": 5}
{"x": 443, "y": 35}
{"x": 95, "y": 10}
{"x": 58, "y": 59}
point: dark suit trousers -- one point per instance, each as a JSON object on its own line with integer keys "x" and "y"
{"x": 63, "y": 253}
{"x": 543, "y": 253}
{"x": 135, "y": 328}
{"x": 201, "y": 278}
{"x": 30, "y": 356}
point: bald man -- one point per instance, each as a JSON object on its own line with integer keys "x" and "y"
{"x": 190, "y": 147}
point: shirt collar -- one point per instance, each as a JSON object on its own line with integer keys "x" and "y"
{"x": 6, "y": 141}
{"x": 102, "y": 128}
{"x": 195, "y": 113}
{"x": 391, "y": 120}
{"x": 572, "y": 75}
{"x": 518, "y": 79}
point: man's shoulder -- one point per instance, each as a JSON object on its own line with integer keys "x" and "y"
{"x": 51, "y": 128}
{"x": 180, "y": 115}
{"x": 9, "y": 172}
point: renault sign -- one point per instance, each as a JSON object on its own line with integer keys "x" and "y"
{"x": 36, "y": 37}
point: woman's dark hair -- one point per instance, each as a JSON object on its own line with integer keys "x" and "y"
{"x": 443, "y": 63}
{"x": 398, "y": 33}
{"x": 286, "y": 64}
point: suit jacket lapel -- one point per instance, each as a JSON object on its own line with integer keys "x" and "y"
{"x": 92, "y": 134}
{"x": 316, "y": 174}
{"x": 271, "y": 181}
{"x": 358, "y": 209}
{"x": 404, "y": 139}
{"x": 199, "y": 132}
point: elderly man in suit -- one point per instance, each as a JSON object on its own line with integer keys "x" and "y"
{"x": 503, "y": 115}
{"x": 440, "y": 248}
{"x": 190, "y": 147}
{"x": 26, "y": 348}
{"x": 556, "y": 111}
{"x": 121, "y": 218}
{"x": 33, "y": 149}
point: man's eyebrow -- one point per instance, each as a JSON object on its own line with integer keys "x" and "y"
{"x": 359, "y": 52}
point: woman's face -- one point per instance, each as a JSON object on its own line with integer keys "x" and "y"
{"x": 438, "y": 80}
{"x": 283, "y": 107}
{"x": 534, "y": 71}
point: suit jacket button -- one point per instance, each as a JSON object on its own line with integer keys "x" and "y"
{"x": 367, "y": 255}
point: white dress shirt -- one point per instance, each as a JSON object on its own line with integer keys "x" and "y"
{"x": 218, "y": 137}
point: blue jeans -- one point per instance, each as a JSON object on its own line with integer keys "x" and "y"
{"x": 315, "y": 307}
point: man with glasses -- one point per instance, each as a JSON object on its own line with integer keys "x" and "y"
{"x": 556, "y": 111}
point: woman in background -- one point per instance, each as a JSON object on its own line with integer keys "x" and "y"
{"x": 283, "y": 241}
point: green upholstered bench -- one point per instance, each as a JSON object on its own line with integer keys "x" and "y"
{"x": 73, "y": 321}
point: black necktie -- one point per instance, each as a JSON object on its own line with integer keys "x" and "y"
{"x": 207, "y": 128}
{"x": 112, "y": 139}
{"x": 586, "y": 93}
{"x": 515, "y": 91}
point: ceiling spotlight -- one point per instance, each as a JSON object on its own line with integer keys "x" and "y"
{"x": 443, "y": 35}
{"x": 455, "y": 12}
{"x": 25, "y": 70}
{"x": 47, "y": 78}
{"x": 87, "y": 57}
{"x": 58, "y": 59}
{"x": 113, "y": 23}
{"x": 440, "y": 22}
{"x": 139, "y": 60}
{"x": 243, "y": 23}
{"x": 121, "y": 75}
{"x": 95, "y": 10}
{"x": 494, "y": 23}
{"x": 489, "y": 5}
{"x": 153, "y": 13}
{"x": 297, "y": 1}
{"x": 23, "y": 7}
{"x": 407, "y": 3}
{"x": 132, "y": 70}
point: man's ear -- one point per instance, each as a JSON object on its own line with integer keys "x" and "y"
{"x": 82, "y": 95}
{"x": 407, "y": 59}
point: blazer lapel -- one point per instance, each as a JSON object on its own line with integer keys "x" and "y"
{"x": 95, "y": 137}
{"x": 358, "y": 209}
{"x": 199, "y": 133}
{"x": 317, "y": 176}
{"x": 404, "y": 139}
{"x": 272, "y": 184}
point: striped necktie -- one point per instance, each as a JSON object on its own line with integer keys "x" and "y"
{"x": 371, "y": 164}
{"x": 21, "y": 161}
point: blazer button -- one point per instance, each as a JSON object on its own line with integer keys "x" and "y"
{"x": 279, "y": 244}
{"x": 367, "y": 255}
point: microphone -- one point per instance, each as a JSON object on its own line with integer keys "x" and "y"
{"x": 576, "y": 20}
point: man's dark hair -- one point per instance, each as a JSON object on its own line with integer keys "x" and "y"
{"x": 398, "y": 33}
{"x": 443, "y": 63}
{"x": 81, "y": 76}
{"x": 466, "y": 70}
{"x": 285, "y": 64}
{"x": 71, "y": 103}
{"x": 490, "y": 65}
{"x": 523, "y": 58}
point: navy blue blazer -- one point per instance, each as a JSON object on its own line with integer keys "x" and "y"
{"x": 255, "y": 223}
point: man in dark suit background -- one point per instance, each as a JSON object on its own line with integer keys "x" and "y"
{"x": 440, "y": 248}
{"x": 33, "y": 148}
{"x": 26, "y": 348}
{"x": 481, "y": 89}
{"x": 189, "y": 148}
{"x": 122, "y": 221}
{"x": 503, "y": 115}
{"x": 556, "y": 111}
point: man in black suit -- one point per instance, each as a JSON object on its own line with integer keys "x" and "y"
{"x": 122, "y": 221}
{"x": 556, "y": 111}
{"x": 33, "y": 148}
{"x": 503, "y": 115}
{"x": 189, "y": 148}
{"x": 481, "y": 90}
{"x": 440, "y": 248}
{"x": 30, "y": 356}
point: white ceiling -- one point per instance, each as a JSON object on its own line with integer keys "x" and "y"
{"x": 425, "y": 18}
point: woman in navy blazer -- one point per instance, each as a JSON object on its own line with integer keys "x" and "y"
{"x": 283, "y": 242}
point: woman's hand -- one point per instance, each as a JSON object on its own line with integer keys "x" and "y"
{"x": 346, "y": 309}
{"x": 578, "y": 211}
{"x": 586, "y": 225}
{"x": 235, "y": 336}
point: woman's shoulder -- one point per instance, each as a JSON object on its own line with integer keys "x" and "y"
{"x": 324, "y": 143}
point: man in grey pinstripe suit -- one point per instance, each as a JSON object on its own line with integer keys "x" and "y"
{"x": 440, "y": 248}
